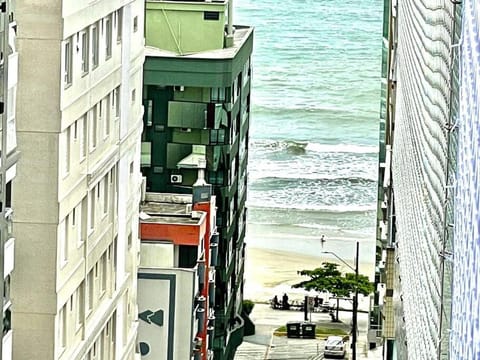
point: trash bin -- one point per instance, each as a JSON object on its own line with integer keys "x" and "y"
{"x": 308, "y": 330}
{"x": 293, "y": 329}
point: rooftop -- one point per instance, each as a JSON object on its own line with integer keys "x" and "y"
{"x": 240, "y": 36}
{"x": 166, "y": 208}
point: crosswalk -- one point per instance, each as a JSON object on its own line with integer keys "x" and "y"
{"x": 299, "y": 349}
{"x": 282, "y": 348}
{"x": 249, "y": 351}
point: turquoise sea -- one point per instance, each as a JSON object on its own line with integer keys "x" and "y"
{"x": 314, "y": 124}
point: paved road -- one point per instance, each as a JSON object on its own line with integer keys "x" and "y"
{"x": 265, "y": 346}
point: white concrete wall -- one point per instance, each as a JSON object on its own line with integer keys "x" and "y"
{"x": 76, "y": 263}
{"x": 156, "y": 294}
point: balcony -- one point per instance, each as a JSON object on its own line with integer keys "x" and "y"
{"x": 8, "y": 263}
{"x": 7, "y": 346}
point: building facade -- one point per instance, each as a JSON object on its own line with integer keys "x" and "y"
{"x": 465, "y": 330}
{"x": 197, "y": 104}
{"x": 419, "y": 198}
{"x": 9, "y": 157}
{"x": 176, "y": 278}
{"x": 79, "y": 128}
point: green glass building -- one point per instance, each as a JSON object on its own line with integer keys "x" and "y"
{"x": 197, "y": 77}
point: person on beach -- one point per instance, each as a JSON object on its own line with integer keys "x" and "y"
{"x": 285, "y": 303}
{"x": 275, "y": 302}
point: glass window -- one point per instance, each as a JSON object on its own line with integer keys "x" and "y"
{"x": 92, "y": 209}
{"x": 67, "y": 59}
{"x": 135, "y": 24}
{"x": 217, "y": 136}
{"x": 93, "y": 128}
{"x": 85, "y": 50}
{"x": 216, "y": 178}
{"x": 108, "y": 36}
{"x": 119, "y": 24}
{"x": 95, "y": 44}
{"x": 80, "y": 295}
{"x": 83, "y": 140}
{"x": 217, "y": 94}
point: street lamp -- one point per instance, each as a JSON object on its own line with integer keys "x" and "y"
{"x": 355, "y": 300}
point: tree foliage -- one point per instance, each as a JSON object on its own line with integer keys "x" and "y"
{"x": 328, "y": 278}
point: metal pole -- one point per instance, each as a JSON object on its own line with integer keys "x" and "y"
{"x": 355, "y": 309}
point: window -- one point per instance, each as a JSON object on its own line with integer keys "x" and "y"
{"x": 105, "y": 194}
{"x": 92, "y": 209}
{"x": 129, "y": 241}
{"x": 116, "y": 102}
{"x": 108, "y": 36}
{"x": 66, "y": 150}
{"x": 103, "y": 264}
{"x": 211, "y": 15}
{"x": 93, "y": 128}
{"x": 83, "y": 134}
{"x": 149, "y": 112}
{"x": 135, "y": 24}
{"x": 101, "y": 118}
{"x": 82, "y": 216}
{"x": 75, "y": 130}
{"x": 217, "y": 94}
{"x": 119, "y": 24}
{"x": 114, "y": 254}
{"x": 67, "y": 59}
{"x": 216, "y": 178}
{"x": 80, "y": 295}
{"x": 62, "y": 326}
{"x": 217, "y": 136}
{"x": 63, "y": 241}
{"x": 106, "y": 117}
{"x": 134, "y": 95}
{"x": 90, "y": 285}
{"x": 85, "y": 50}
{"x": 67, "y": 234}
{"x": 95, "y": 44}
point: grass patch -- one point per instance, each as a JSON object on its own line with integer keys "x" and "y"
{"x": 320, "y": 331}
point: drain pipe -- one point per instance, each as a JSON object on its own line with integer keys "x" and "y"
{"x": 230, "y": 20}
{"x": 229, "y": 36}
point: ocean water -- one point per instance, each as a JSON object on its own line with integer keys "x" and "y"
{"x": 314, "y": 124}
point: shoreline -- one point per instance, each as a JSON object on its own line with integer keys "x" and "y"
{"x": 271, "y": 272}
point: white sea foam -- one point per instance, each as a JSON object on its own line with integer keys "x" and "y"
{"x": 342, "y": 148}
{"x": 324, "y": 208}
{"x": 274, "y": 174}
{"x": 316, "y": 147}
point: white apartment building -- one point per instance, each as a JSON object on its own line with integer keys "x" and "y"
{"x": 77, "y": 190}
{"x": 8, "y": 160}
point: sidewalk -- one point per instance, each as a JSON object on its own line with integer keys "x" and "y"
{"x": 264, "y": 345}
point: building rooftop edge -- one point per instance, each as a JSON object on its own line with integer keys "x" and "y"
{"x": 240, "y": 36}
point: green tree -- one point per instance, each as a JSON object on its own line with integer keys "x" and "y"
{"x": 328, "y": 278}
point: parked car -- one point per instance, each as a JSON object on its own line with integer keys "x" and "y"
{"x": 334, "y": 347}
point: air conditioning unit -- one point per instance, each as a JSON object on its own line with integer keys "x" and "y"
{"x": 176, "y": 179}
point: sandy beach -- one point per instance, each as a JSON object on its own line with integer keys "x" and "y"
{"x": 272, "y": 272}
